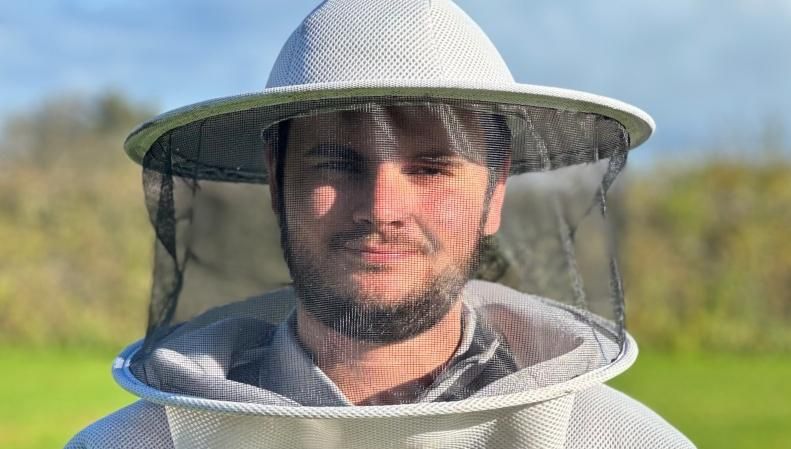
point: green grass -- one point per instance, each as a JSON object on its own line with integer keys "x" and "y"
{"x": 46, "y": 396}
{"x": 719, "y": 401}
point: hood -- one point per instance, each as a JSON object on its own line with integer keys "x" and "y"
{"x": 188, "y": 374}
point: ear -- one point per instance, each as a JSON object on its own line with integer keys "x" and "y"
{"x": 494, "y": 214}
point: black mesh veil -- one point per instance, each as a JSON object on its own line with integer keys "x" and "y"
{"x": 382, "y": 219}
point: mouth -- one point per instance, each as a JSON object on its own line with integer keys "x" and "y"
{"x": 381, "y": 254}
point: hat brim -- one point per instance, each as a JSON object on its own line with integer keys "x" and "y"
{"x": 638, "y": 124}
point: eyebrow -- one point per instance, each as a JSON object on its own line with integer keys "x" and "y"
{"x": 438, "y": 158}
{"x": 334, "y": 151}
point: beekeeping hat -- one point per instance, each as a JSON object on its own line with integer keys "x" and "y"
{"x": 346, "y": 51}
{"x": 359, "y": 84}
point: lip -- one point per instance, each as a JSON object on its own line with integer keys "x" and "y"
{"x": 381, "y": 254}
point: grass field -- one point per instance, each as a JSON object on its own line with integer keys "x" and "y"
{"x": 719, "y": 401}
{"x": 46, "y": 396}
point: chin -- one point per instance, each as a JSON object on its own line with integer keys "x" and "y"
{"x": 382, "y": 293}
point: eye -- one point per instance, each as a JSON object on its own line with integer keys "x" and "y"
{"x": 427, "y": 171}
{"x": 430, "y": 169}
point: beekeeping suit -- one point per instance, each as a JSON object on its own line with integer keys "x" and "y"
{"x": 338, "y": 264}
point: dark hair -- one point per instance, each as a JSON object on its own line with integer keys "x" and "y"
{"x": 283, "y": 129}
{"x": 498, "y": 146}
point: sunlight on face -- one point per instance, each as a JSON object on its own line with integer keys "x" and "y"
{"x": 322, "y": 200}
{"x": 381, "y": 206}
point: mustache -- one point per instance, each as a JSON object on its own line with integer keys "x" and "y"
{"x": 424, "y": 241}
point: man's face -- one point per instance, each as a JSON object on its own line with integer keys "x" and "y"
{"x": 383, "y": 217}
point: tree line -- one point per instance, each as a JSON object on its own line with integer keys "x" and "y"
{"x": 704, "y": 247}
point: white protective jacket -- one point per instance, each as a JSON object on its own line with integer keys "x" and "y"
{"x": 187, "y": 400}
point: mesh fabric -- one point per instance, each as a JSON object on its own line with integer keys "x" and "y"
{"x": 598, "y": 417}
{"x": 407, "y": 40}
{"x": 374, "y": 214}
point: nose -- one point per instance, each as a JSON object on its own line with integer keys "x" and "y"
{"x": 386, "y": 201}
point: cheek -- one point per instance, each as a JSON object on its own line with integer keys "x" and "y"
{"x": 456, "y": 217}
{"x": 460, "y": 207}
{"x": 323, "y": 200}
{"x": 309, "y": 211}
{"x": 310, "y": 202}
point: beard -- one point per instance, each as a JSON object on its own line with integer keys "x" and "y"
{"x": 369, "y": 317}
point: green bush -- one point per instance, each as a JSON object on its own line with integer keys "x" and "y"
{"x": 76, "y": 241}
{"x": 707, "y": 257}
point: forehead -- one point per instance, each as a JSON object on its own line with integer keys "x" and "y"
{"x": 381, "y": 131}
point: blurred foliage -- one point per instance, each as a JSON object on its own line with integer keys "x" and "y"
{"x": 707, "y": 254}
{"x": 705, "y": 249}
{"x": 75, "y": 239}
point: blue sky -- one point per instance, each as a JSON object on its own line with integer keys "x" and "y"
{"x": 711, "y": 73}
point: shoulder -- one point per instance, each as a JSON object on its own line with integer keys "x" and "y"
{"x": 603, "y": 417}
{"x": 140, "y": 425}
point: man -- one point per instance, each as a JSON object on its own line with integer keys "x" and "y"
{"x": 389, "y": 131}
{"x": 380, "y": 240}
